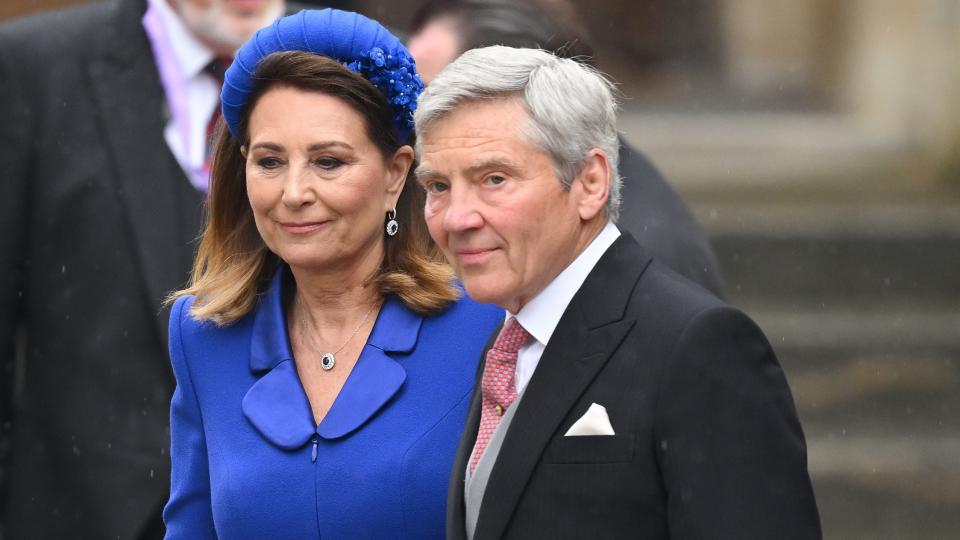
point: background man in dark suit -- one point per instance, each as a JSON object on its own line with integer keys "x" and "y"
{"x": 100, "y": 166}
{"x": 652, "y": 211}
{"x": 619, "y": 399}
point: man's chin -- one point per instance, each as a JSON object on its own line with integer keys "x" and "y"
{"x": 484, "y": 290}
{"x": 228, "y": 29}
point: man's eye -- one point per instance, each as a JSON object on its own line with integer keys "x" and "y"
{"x": 494, "y": 179}
{"x": 269, "y": 163}
{"x": 436, "y": 187}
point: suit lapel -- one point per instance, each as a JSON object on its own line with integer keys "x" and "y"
{"x": 591, "y": 329}
{"x": 456, "y": 513}
{"x": 127, "y": 91}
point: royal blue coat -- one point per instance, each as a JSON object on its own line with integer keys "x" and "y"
{"x": 249, "y": 461}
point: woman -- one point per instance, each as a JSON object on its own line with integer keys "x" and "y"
{"x": 323, "y": 361}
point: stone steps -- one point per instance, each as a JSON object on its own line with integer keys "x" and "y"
{"x": 808, "y": 255}
{"x": 802, "y": 154}
{"x": 831, "y": 239}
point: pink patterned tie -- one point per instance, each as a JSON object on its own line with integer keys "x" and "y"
{"x": 497, "y": 385}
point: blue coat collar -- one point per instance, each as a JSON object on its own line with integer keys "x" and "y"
{"x": 277, "y": 405}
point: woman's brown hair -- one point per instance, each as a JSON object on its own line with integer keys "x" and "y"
{"x": 233, "y": 265}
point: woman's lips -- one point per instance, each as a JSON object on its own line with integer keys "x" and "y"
{"x": 306, "y": 227}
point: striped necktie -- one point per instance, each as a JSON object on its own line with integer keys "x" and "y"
{"x": 216, "y": 68}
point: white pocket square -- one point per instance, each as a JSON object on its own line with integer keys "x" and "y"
{"x": 593, "y": 422}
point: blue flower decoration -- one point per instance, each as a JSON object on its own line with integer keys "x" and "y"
{"x": 394, "y": 74}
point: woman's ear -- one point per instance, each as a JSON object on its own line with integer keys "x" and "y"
{"x": 593, "y": 184}
{"x": 397, "y": 168}
{"x": 243, "y": 151}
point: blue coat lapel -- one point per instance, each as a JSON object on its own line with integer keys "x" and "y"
{"x": 278, "y": 408}
{"x": 276, "y": 404}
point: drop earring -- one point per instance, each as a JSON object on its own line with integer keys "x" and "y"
{"x": 392, "y": 225}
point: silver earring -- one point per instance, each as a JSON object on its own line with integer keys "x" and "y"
{"x": 392, "y": 225}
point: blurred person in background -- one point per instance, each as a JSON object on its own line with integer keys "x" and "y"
{"x": 104, "y": 116}
{"x": 651, "y": 210}
{"x": 324, "y": 356}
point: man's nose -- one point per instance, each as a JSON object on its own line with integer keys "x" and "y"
{"x": 463, "y": 211}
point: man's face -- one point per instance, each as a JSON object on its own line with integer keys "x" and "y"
{"x": 224, "y": 25}
{"x": 433, "y": 47}
{"x": 495, "y": 206}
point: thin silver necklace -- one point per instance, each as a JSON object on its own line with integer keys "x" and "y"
{"x": 329, "y": 359}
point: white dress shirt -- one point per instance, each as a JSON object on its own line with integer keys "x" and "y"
{"x": 541, "y": 315}
{"x": 192, "y": 93}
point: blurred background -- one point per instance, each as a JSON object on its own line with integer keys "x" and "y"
{"x": 818, "y": 142}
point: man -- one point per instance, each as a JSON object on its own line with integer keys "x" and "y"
{"x": 104, "y": 111}
{"x": 652, "y": 212}
{"x": 619, "y": 399}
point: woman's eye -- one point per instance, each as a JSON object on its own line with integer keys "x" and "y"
{"x": 328, "y": 163}
{"x": 494, "y": 179}
{"x": 269, "y": 163}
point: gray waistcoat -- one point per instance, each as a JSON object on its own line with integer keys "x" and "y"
{"x": 475, "y": 485}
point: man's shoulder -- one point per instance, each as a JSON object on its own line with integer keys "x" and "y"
{"x": 629, "y": 281}
{"x": 670, "y": 286}
{"x": 658, "y": 218}
{"x": 661, "y": 307}
{"x": 669, "y": 299}
{"x": 53, "y": 29}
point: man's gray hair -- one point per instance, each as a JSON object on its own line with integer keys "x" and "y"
{"x": 571, "y": 106}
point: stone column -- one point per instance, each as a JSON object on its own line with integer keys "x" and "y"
{"x": 903, "y": 73}
{"x": 771, "y": 47}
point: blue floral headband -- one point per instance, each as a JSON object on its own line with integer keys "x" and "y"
{"x": 359, "y": 43}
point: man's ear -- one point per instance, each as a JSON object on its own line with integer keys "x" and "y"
{"x": 397, "y": 168}
{"x": 593, "y": 184}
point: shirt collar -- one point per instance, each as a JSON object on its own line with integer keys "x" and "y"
{"x": 541, "y": 314}
{"x": 191, "y": 55}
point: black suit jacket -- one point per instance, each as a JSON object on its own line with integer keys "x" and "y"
{"x": 97, "y": 222}
{"x": 660, "y": 221}
{"x": 707, "y": 441}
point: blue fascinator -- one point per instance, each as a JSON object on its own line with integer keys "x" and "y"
{"x": 361, "y": 44}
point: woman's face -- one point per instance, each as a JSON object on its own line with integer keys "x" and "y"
{"x": 318, "y": 186}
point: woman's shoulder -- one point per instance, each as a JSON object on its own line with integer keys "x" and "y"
{"x": 186, "y": 332}
{"x": 181, "y": 305}
{"x": 182, "y": 320}
{"x": 475, "y": 315}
